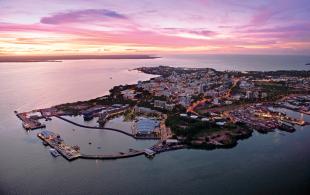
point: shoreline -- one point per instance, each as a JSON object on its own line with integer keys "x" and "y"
{"x": 216, "y": 136}
{"x": 20, "y": 59}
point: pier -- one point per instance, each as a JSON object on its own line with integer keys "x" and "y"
{"x": 54, "y": 141}
{"x": 112, "y": 156}
{"x": 156, "y": 149}
{"x": 30, "y": 123}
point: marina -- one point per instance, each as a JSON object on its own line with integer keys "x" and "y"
{"x": 58, "y": 147}
{"x": 143, "y": 130}
{"x": 73, "y": 152}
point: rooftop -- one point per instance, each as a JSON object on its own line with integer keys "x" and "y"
{"x": 146, "y": 125}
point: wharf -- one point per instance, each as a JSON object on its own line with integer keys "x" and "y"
{"x": 295, "y": 121}
{"x": 64, "y": 150}
{"x": 293, "y": 109}
{"x": 28, "y": 123}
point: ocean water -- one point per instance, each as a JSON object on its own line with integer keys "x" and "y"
{"x": 241, "y": 62}
{"x": 276, "y": 163}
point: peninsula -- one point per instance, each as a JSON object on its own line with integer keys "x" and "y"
{"x": 187, "y": 108}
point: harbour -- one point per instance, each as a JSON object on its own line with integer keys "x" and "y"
{"x": 260, "y": 160}
{"x": 72, "y": 153}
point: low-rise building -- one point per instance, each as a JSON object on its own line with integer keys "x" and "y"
{"x": 159, "y": 104}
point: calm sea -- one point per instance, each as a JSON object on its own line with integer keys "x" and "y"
{"x": 276, "y": 163}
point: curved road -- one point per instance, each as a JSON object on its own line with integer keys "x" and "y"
{"x": 193, "y": 106}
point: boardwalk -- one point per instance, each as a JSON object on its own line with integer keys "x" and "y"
{"x": 91, "y": 127}
{"x": 109, "y": 129}
{"x": 112, "y": 156}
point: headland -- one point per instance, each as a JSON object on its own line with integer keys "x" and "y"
{"x": 187, "y": 108}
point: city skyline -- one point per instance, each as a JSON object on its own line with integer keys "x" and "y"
{"x": 154, "y": 27}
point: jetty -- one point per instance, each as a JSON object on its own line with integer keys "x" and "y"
{"x": 55, "y": 141}
{"x": 113, "y": 156}
{"x": 30, "y": 123}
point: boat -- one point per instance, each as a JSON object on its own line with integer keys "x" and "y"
{"x": 287, "y": 128}
{"x": 149, "y": 153}
{"x": 308, "y": 64}
{"x": 54, "y": 152}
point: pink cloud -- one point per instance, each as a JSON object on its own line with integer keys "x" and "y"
{"x": 249, "y": 24}
{"x": 88, "y": 36}
{"x": 293, "y": 32}
{"x": 262, "y": 15}
{"x": 199, "y": 31}
{"x": 82, "y": 16}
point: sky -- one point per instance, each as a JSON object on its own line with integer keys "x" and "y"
{"x": 56, "y": 27}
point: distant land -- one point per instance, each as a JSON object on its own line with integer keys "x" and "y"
{"x": 57, "y": 58}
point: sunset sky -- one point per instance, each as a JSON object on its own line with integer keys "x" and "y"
{"x": 31, "y": 27}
